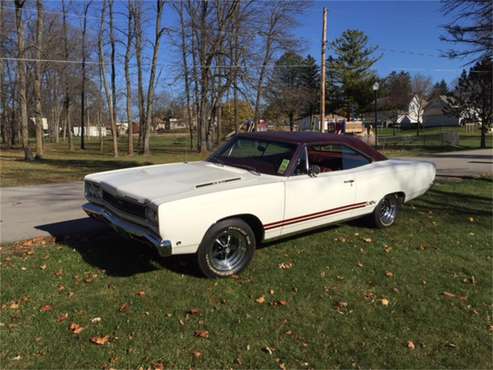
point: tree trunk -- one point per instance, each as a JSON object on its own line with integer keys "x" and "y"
{"x": 83, "y": 85}
{"x": 113, "y": 82}
{"x": 102, "y": 73}
{"x": 21, "y": 75}
{"x": 159, "y": 31}
{"x": 128, "y": 80}
{"x": 263, "y": 68}
{"x": 204, "y": 78}
{"x": 483, "y": 135}
{"x": 3, "y": 99}
{"x": 184, "y": 52}
{"x": 37, "y": 80}
{"x": 68, "y": 122}
{"x": 140, "y": 84}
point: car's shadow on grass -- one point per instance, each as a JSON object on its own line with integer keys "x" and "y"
{"x": 104, "y": 249}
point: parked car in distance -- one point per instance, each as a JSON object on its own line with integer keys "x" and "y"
{"x": 257, "y": 187}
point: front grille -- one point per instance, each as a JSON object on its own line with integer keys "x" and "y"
{"x": 124, "y": 205}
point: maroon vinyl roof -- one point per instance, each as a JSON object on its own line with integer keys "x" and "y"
{"x": 310, "y": 137}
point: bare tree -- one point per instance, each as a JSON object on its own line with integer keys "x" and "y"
{"x": 186, "y": 74}
{"x": 37, "y": 80}
{"x": 471, "y": 28}
{"x": 158, "y": 34}
{"x": 113, "y": 79}
{"x": 128, "y": 78}
{"x": 102, "y": 73}
{"x": 274, "y": 34}
{"x": 87, "y": 4}
{"x": 3, "y": 99}
{"x": 140, "y": 79}
{"x": 67, "y": 100}
{"x": 21, "y": 77}
{"x": 421, "y": 88}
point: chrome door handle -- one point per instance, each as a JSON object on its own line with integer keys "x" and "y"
{"x": 348, "y": 181}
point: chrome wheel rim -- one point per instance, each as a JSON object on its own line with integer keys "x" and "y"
{"x": 388, "y": 211}
{"x": 228, "y": 250}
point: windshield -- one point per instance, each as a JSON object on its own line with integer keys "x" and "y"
{"x": 269, "y": 157}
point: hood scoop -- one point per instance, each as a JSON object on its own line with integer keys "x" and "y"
{"x": 217, "y": 182}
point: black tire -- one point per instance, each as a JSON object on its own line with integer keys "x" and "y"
{"x": 386, "y": 211}
{"x": 226, "y": 249}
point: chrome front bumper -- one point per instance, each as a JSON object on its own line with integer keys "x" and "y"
{"x": 128, "y": 229}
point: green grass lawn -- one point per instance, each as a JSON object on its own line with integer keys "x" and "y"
{"x": 348, "y": 297}
{"x": 61, "y": 165}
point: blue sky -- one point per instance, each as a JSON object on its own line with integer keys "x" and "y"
{"x": 406, "y": 31}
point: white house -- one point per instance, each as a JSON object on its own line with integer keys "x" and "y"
{"x": 89, "y": 131}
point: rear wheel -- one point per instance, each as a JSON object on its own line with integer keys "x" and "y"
{"x": 386, "y": 211}
{"x": 227, "y": 248}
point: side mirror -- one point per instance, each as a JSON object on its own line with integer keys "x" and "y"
{"x": 314, "y": 170}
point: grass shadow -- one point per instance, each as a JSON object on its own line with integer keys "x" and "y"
{"x": 101, "y": 247}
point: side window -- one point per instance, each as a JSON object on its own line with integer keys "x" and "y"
{"x": 335, "y": 157}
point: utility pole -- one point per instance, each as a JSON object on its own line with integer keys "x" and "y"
{"x": 322, "y": 84}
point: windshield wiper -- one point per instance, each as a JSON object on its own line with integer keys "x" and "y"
{"x": 250, "y": 169}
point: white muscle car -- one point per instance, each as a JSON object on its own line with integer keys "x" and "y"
{"x": 258, "y": 186}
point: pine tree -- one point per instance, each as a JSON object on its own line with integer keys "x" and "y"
{"x": 310, "y": 80}
{"x": 350, "y": 69}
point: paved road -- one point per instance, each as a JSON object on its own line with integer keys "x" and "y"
{"x": 468, "y": 163}
{"x": 30, "y": 211}
{"x": 53, "y": 209}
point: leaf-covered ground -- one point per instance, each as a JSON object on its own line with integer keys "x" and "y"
{"x": 418, "y": 295}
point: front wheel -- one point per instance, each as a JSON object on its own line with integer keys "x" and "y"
{"x": 386, "y": 211}
{"x": 227, "y": 248}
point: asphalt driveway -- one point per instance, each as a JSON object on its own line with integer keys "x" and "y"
{"x": 55, "y": 209}
{"x": 467, "y": 163}
{"x": 37, "y": 210}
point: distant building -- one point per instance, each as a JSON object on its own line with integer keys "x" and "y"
{"x": 435, "y": 113}
{"x": 89, "y": 131}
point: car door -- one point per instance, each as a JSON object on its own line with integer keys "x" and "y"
{"x": 314, "y": 200}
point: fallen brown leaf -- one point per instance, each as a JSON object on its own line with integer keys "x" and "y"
{"x": 389, "y": 274}
{"x": 260, "y": 299}
{"x": 75, "y": 328}
{"x": 62, "y": 318}
{"x": 14, "y": 306}
{"x": 448, "y": 295}
{"x": 100, "y": 341}
{"x": 43, "y": 267}
{"x": 124, "y": 307}
{"x": 367, "y": 240}
{"x": 282, "y": 303}
{"x": 268, "y": 350}
{"x": 286, "y": 266}
{"x": 410, "y": 345}
{"x": 197, "y": 354}
{"x": 194, "y": 312}
{"x": 140, "y": 293}
{"x": 46, "y": 308}
{"x": 201, "y": 334}
{"x": 158, "y": 366}
{"x": 96, "y": 320}
{"x": 385, "y": 301}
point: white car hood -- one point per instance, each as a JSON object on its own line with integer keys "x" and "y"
{"x": 159, "y": 182}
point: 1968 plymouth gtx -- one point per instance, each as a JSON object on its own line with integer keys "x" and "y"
{"x": 257, "y": 187}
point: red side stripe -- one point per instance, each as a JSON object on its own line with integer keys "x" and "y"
{"x": 312, "y": 216}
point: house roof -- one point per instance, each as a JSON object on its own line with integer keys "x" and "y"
{"x": 310, "y": 137}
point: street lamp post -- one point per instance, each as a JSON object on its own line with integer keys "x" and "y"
{"x": 376, "y": 86}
